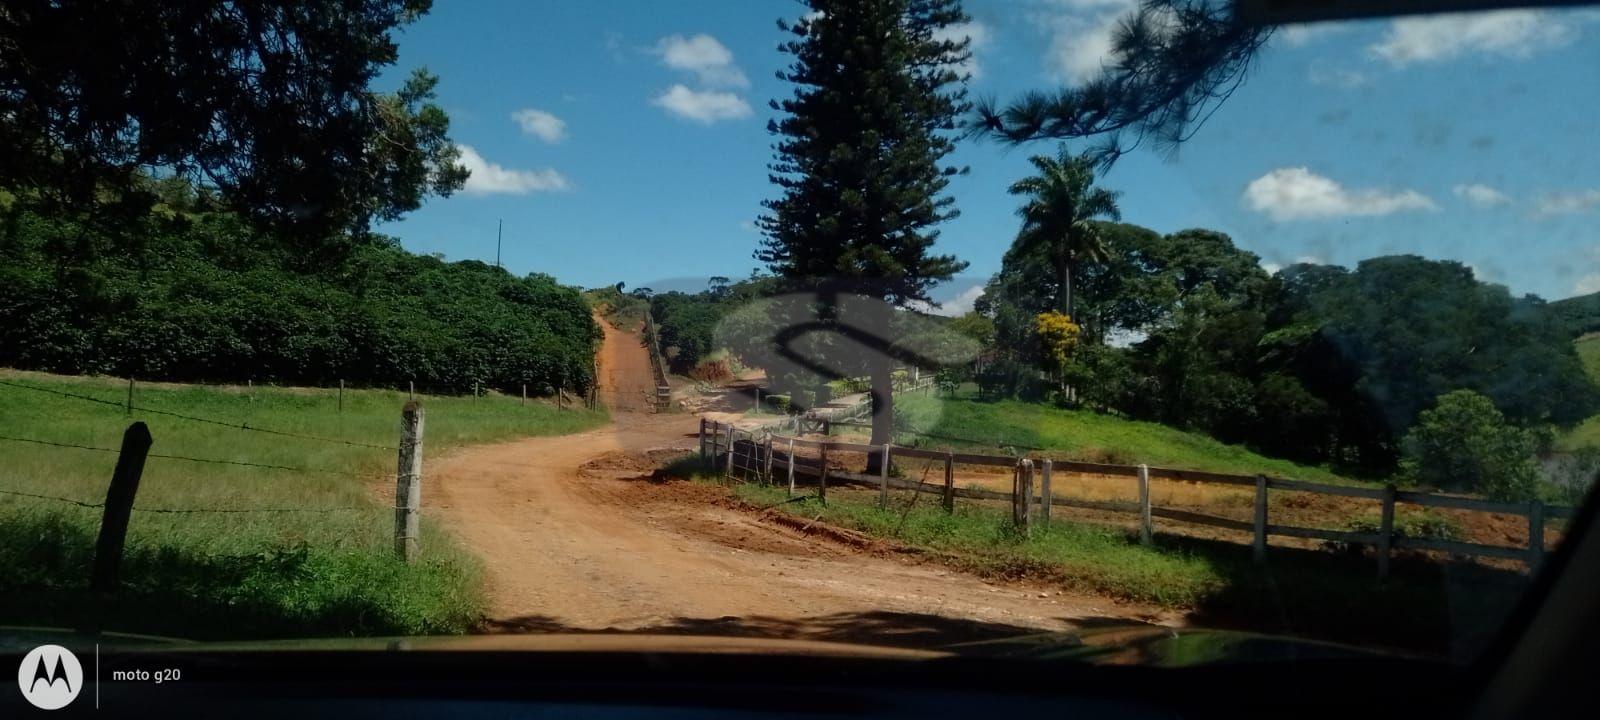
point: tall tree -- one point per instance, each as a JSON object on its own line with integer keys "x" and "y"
{"x": 1062, "y": 205}
{"x": 858, "y": 161}
{"x": 269, "y": 102}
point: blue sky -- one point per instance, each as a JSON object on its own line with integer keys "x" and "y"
{"x": 626, "y": 141}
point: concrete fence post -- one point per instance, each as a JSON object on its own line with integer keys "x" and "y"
{"x": 1259, "y": 524}
{"x": 1535, "y": 535}
{"x": 883, "y": 478}
{"x": 1146, "y": 531}
{"x": 1048, "y": 466}
{"x": 1385, "y": 530}
{"x": 408, "y": 483}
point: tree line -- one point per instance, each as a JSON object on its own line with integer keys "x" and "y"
{"x": 193, "y": 291}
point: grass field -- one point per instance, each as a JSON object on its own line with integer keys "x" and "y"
{"x": 320, "y": 563}
{"x": 1086, "y": 435}
{"x": 1587, "y": 433}
{"x": 1334, "y": 596}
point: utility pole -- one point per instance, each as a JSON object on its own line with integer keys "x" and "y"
{"x": 497, "y": 233}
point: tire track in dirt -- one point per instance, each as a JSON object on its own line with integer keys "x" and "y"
{"x": 567, "y": 548}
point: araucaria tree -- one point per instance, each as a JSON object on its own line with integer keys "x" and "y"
{"x": 859, "y": 163}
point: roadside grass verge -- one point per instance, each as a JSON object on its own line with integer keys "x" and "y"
{"x": 1085, "y": 435}
{"x": 298, "y": 553}
{"x": 1424, "y": 606}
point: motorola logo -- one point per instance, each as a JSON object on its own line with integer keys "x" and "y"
{"x": 50, "y": 677}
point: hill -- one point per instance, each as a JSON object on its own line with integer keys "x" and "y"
{"x": 1086, "y": 435}
{"x": 1579, "y": 314}
{"x": 1587, "y": 433}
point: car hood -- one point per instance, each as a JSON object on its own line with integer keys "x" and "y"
{"x": 1114, "y": 644}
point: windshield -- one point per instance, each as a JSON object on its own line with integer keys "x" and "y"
{"x": 912, "y": 323}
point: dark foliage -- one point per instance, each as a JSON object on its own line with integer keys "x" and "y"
{"x": 1318, "y": 363}
{"x": 268, "y": 101}
{"x": 204, "y": 297}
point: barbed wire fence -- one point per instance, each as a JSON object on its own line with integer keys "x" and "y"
{"x": 119, "y": 503}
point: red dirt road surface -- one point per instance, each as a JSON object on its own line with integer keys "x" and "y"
{"x": 575, "y": 537}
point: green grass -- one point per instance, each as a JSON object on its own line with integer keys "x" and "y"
{"x": 1587, "y": 433}
{"x": 1327, "y": 595}
{"x": 326, "y": 568}
{"x": 1088, "y": 436}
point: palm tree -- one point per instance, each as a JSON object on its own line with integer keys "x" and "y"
{"x": 1062, "y": 205}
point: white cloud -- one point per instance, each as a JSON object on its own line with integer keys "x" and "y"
{"x": 961, "y": 304}
{"x": 977, "y": 33}
{"x": 1321, "y": 74}
{"x": 703, "y": 55}
{"x": 1481, "y": 195}
{"x": 547, "y": 127}
{"x": 489, "y": 178}
{"x": 1296, "y": 193}
{"x": 1080, "y": 45}
{"x": 1568, "y": 203}
{"x": 1310, "y": 260}
{"x": 702, "y": 106}
{"x": 1272, "y": 268}
{"x": 1302, "y": 34}
{"x": 1587, "y": 284}
{"x": 1505, "y": 33}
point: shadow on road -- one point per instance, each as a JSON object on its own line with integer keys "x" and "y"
{"x": 897, "y": 629}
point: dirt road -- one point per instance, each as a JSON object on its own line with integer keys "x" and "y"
{"x": 575, "y": 537}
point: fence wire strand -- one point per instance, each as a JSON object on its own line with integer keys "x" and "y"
{"x": 191, "y": 418}
{"x": 186, "y": 511}
{"x": 184, "y": 458}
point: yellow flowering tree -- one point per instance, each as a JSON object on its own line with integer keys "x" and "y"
{"x": 1058, "y": 335}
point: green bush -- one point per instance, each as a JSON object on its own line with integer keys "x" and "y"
{"x": 1420, "y": 524}
{"x": 779, "y": 403}
{"x": 1465, "y": 443}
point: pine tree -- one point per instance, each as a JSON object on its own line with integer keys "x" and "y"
{"x": 878, "y": 93}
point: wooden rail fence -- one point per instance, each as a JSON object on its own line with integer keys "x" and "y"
{"x": 658, "y": 366}
{"x": 758, "y": 455}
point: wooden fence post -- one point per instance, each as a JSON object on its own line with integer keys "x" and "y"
{"x": 822, "y": 474}
{"x": 413, "y": 393}
{"x": 766, "y": 467}
{"x": 408, "y": 483}
{"x": 1146, "y": 529}
{"x": 1535, "y": 535}
{"x": 727, "y": 465}
{"x": 757, "y": 408}
{"x": 702, "y": 437}
{"x": 1022, "y": 494}
{"x": 524, "y": 393}
{"x": 105, "y": 575}
{"x": 1045, "y": 492}
{"x": 791, "y": 467}
{"x": 1385, "y": 530}
{"x": 1259, "y": 548}
{"x": 949, "y": 482}
{"x": 341, "y": 395}
{"x": 883, "y": 478}
{"x": 130, "y": 396}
